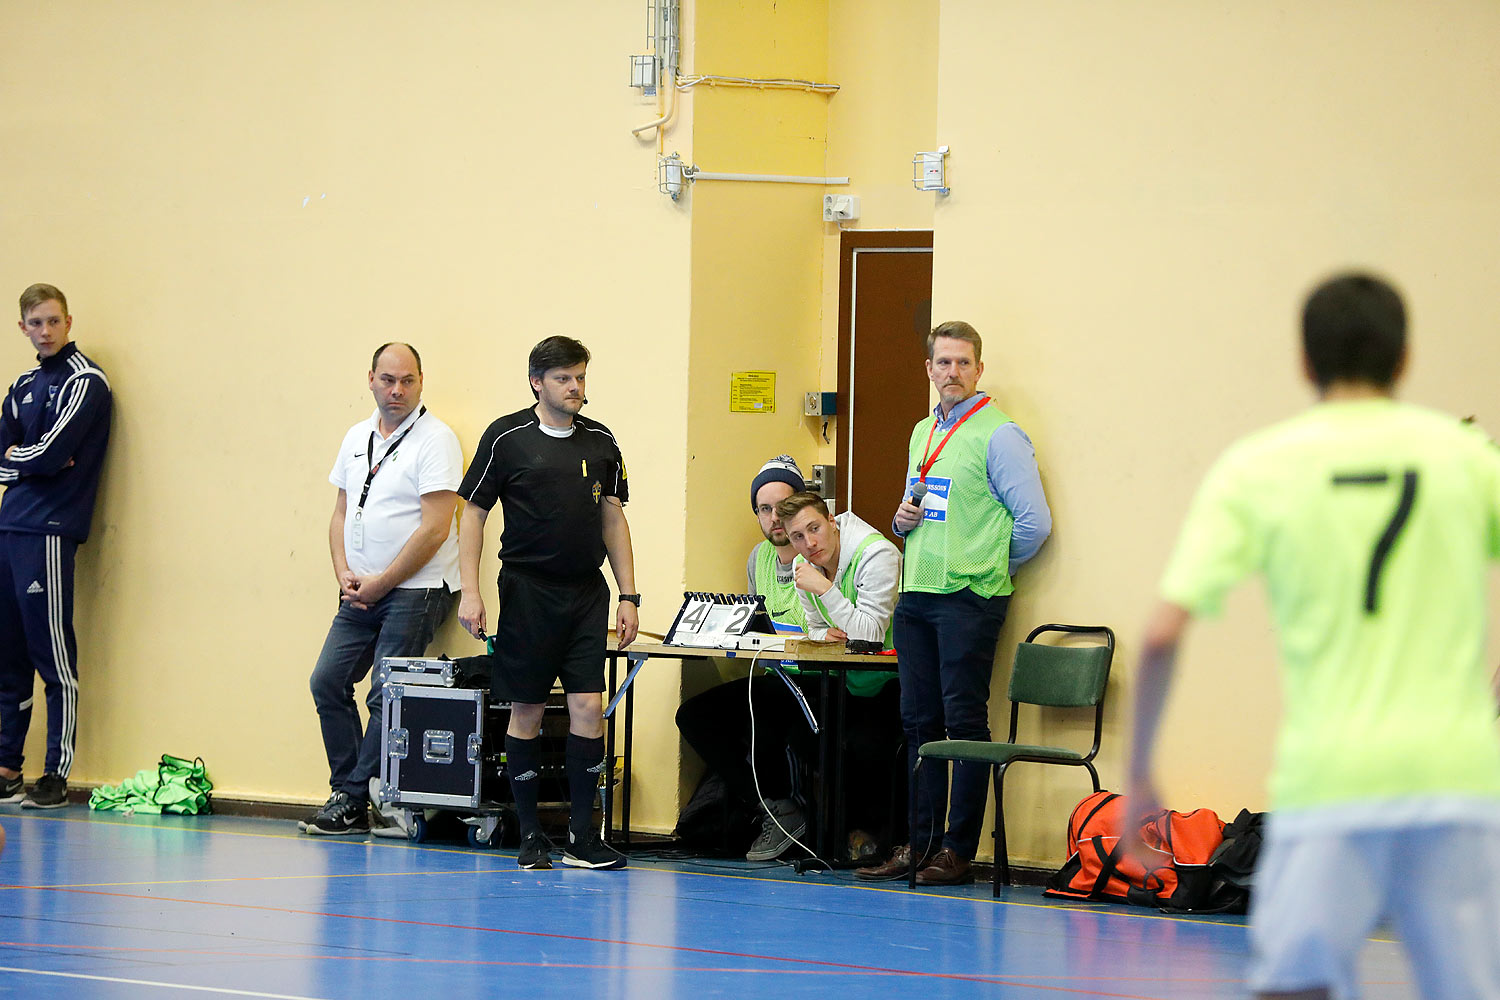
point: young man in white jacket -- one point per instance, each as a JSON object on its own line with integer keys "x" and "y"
{"x": 846, "y": 572}
{"x": 847, "y": 575}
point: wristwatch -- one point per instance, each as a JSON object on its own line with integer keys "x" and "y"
{"x": 632, "y": 598}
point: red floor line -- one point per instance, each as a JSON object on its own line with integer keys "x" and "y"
{"x": 844, "y": 966}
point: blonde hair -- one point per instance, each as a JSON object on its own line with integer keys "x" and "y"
{"x": 37, "y": 294}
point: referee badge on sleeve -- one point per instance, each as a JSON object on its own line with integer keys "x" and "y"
{"x": 597, "y": 491}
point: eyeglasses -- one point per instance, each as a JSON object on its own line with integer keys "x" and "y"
{"x": 765, "y": 510}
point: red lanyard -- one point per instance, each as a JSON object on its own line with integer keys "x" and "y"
{"x": 927, "y": 463}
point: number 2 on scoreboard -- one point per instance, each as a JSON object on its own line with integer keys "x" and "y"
{"x": 738, "y": 619}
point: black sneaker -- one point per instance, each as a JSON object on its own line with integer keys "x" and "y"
{"x": 303, "y": 824}
{"x": 536, "y": 851}
{"x": 49, "y": 792}
{"x": 342, "y": 817}
{"x": 591, "y": 852}
{"x": 12, "y": 789}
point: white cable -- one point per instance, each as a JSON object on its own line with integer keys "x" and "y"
{"x": 755, "y": 778}
{"x": 775, "y": 83}
{"x": 694, "y": 174}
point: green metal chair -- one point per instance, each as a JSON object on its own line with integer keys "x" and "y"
{"x": 1049, "y": 676}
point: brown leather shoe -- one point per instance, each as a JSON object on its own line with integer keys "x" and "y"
{"x": 945, "y": 868}
{"x": 898, "y": 866}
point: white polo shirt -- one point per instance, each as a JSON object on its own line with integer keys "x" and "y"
{"x": 427, "y": 460}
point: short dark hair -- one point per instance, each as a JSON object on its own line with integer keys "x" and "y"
{"x": 798, "y": 502}
{"x": 37, "y": 294}
{"x": 1354, "y": 330}
{"x": 555, "y": 352}
{"x": 955, "y": 329}
{"x": 375, "y": 358}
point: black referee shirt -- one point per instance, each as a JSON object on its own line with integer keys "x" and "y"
{"x": 551, "y": 492}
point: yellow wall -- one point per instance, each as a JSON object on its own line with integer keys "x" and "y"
{"x": 483, "y": 190}
{"x": 883, "y": 55}
{"x": 756, "y": 285}
{"x": 1142, "y": 194}
{"x": 756, "y": 289}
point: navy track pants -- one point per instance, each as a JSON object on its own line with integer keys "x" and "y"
{"x": 36, "y": 637}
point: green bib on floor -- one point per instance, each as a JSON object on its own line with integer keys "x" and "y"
{"x": 177, "y": 785}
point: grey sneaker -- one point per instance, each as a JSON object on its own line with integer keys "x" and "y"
{"x": 303, "y": 824}
{"x": 387, "y": 819}
{"x": 49, "y": 792}
{"x": 12, "y": 789}
{"x": 782, "y": 823}
{"x": 591, "y": 852}
{"x": 536, "y": 851}
{"x": 342, "y": 817}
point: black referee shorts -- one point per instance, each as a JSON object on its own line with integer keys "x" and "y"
{"x": 546, "y": 631}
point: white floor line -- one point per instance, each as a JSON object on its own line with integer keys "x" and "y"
{"x": 151, "y": 982}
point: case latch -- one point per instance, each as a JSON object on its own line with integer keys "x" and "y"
{"x": 437, "y": 746}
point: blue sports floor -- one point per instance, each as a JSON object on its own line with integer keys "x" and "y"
{"x": 100, "y": 905}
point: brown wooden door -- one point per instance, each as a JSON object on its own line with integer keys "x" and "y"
{"x": 885, "y": 311}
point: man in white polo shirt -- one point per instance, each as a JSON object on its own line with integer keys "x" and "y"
{"x": 394, "y": 544}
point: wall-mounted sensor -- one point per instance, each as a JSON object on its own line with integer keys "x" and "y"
{"x": 820, "y": 404}
{"x": 929, "y": 171}
{"x": 840, "y": 207}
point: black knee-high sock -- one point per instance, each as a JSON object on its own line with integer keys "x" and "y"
{"x": 523, "y": 761}
{"x": 585, "y": 762}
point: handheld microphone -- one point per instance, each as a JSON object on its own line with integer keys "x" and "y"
{"x": 918, "y": 493}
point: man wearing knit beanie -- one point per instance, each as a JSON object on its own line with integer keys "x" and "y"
{"x": 781, "y": 469}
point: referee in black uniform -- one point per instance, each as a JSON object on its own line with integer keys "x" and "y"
{"x": 560, "y": 482}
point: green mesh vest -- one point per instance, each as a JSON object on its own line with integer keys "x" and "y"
{"x": 781, "y": 598}
{"x": 860, "y": 682}
{"x": 964, "y": 538}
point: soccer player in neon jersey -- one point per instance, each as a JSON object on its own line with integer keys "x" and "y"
{"x": 1374, "y": 522}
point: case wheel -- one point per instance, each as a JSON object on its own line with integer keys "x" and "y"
{"x": 502, "y": 830}
{"x": 418, "y": 832}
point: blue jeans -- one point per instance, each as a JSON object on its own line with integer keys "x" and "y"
{"x": 945, "y": 652}
{"x": 401, "y": 623}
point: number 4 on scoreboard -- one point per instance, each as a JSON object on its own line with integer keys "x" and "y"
{"x": 694, "y": 615}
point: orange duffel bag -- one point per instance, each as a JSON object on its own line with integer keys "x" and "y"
{"x": 1098, "y": 868}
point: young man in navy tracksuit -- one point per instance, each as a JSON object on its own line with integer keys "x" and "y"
{"x": 53, "y": 431}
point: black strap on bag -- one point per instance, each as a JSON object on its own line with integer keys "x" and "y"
{"x": 1108, "y": 862}
{"x": 1146, "y": 894}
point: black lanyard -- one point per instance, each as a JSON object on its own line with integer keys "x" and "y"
{"x": 374, "y": 465}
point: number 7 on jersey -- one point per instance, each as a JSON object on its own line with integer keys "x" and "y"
{"x": 1387, "y": 539}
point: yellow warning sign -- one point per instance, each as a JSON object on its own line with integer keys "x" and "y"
{"x": 752, "y": 392}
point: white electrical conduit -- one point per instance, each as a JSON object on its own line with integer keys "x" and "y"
{"x": 667, "y": 113}
{"x": 692, "y": 173}
{"x": 689, "y": 82}
{"x": 778, "y": 83}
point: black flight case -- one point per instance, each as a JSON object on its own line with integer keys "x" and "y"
{"x": 443, "y": 748}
